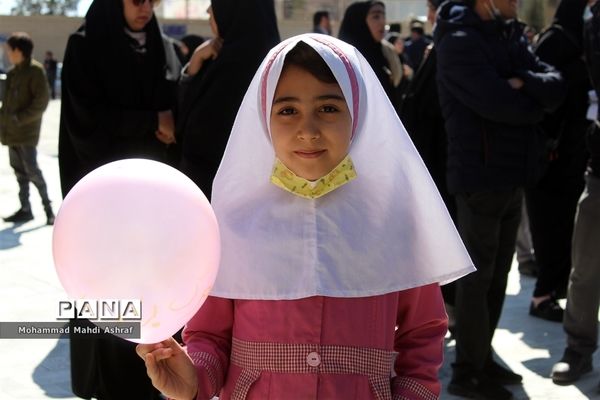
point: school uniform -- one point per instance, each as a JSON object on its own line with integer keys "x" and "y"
{"x": 326, "y": 289}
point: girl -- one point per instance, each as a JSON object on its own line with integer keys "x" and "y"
{"x": 328, "y": 280}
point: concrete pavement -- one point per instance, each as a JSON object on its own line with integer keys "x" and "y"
{"x": 29, "y": 287}
{"x": 30, "y": 291}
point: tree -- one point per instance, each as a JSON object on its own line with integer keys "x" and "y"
{"x": 45, "y": 7}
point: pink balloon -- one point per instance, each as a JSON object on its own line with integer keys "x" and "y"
{"x": 139, "y": 229}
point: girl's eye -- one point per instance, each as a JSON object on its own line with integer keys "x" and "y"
{"x": 329, "y": 109}
{"x": 287, "y": 111}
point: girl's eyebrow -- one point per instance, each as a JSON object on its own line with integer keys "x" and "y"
{"x": 296, "y": 99}
{"x": 285, "y": 99}
{"x": 330, "y": 97}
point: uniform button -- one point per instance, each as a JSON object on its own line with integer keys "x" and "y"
{"x": 313, "y": 359}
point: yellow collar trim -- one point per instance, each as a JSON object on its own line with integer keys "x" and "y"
{"x": 284, "y": 178}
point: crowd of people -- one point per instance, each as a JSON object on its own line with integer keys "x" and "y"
{"x": 367, "y": 187}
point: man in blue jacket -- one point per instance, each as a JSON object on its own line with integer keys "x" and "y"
{"x": 493, "y": 93}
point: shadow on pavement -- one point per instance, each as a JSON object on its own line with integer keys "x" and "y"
{"x": 529, "y": 346}
{"x": 10, "y": 237}
{"x": 52, "y": 374}
{"x": 538, "y": 335}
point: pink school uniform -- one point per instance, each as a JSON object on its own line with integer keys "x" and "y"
{"x": 327, "y": 289}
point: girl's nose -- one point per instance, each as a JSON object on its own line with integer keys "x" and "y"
{"x": 308, "y": 130}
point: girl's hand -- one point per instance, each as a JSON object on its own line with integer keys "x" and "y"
{"x": 206, "y": 51}
{"x": 170, "y": 369}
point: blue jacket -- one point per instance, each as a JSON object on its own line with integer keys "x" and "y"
{"x": 494, "y": 142}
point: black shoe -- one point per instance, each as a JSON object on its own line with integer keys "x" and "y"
{"x": 49, "y": 217}
{"x": 20, "y": 216}
{"x": 529, "y": 268}
{"x": 501, "y": 375}
{"x": 481, "y": 388}
{"x": 548, "y": 309}
{"x": 571, "y": 367}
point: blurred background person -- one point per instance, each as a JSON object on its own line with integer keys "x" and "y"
{"x": 416, "y": 43}
{"x": 23, "y": 104}
{"x": 322, "y": 22}
{"x": 581, "y": 315}
{"x": 396, "y": 40}
{"x": 216, "y": 79}
{"x": 493, "y": 94}
{"x": 51, "y": 67}
{"x": 363, "y": 27}
{"x": 422, "y": 117}
{"x": 552, "y": 202}
{"x": 116, "y": 104}
{"x": 187, "y": 45}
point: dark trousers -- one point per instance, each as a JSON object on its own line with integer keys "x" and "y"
{"x": 52, "y": 84}
{"x": 551, "y": 210}
{"x": 488, "y": 224}
{"x": 23, "y": 160}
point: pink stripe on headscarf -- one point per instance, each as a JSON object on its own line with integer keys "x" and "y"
{"x": 351, "y": 75}
{"x": 263, "y": 84}
{"x": 349, "y": 70}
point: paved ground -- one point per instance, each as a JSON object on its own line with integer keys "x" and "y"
{"x": 29, "y": 290}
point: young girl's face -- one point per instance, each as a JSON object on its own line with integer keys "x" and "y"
{"x": 311, "y": 125}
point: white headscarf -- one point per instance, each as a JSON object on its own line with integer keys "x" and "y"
{"x": 387, "y": 230}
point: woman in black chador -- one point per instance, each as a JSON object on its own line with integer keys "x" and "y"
{"x": 116, "y": 104}
{"x": 363, "y": 27}
{"x": 216, "y": 79}
{"x": 422, "y": 117}
{"x": 116, "y": 100}
{"x": 552, "y": 203}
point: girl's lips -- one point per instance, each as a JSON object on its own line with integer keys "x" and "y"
{"x": 309, "y": 154}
